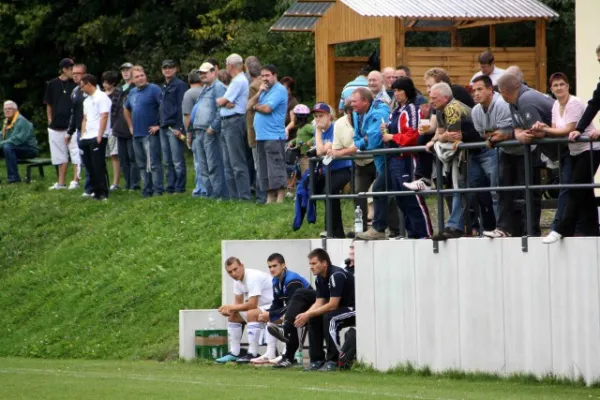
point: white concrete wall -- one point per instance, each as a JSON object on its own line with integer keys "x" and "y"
{"x": 481, "y": 305}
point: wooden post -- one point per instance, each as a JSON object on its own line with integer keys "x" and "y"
{"x": 454, "y": 38}
{"x": 541, "y": 54}
{"x": 325, "y": 70}
{"x": 388, "y": 43}
{"x": 400, "y": 42}
{"x": 492, "y": 36}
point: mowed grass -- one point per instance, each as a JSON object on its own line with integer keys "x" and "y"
{"x": 78, "y": 379}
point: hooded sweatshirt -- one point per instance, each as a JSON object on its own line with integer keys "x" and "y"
{"x": 367, "y": 126}
{"x": 496, "y": 118}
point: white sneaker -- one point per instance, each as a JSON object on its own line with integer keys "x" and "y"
{"x": 496, "y": 234}
{"x": 418, "y": 185}
{"x": 87, "y": 195}
{"x": 264, "y": 359}
{"x": 114, "y": 187}
{"x": 57, "y": 186}
{"x": 276, "y": 360}
{"x": 73, "y": 185}
{"x": 552, "y": 237}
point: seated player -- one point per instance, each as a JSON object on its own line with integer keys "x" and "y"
{"x": 253, "y": 294}
{"x": 285, "y": 284}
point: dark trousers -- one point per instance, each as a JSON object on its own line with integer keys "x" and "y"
{"x": 338, "y": 179}
{"x": 12, "y": 155}
{"x": 130, "y": 170}
{"x": 95, "y": 162}
{"x": 363, "y": 178}
{"x": 327, "y": 327}
{"x": 301, "y": 301}
{"x": 424, "y": 159}
{"x": 512, "y": 172}
{"x": 581, "y": 203}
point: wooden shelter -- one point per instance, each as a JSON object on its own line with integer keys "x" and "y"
{"x": 340, "y": 21}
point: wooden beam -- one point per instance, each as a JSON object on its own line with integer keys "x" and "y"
{"x": 454, "y": 37}
{"x": 430, "y": 29}
{"x": 388, "y": 43}
{"x": 412, "y": 23}
{"x": 489, "y": 22}
{"x": 492, "y": 35}
{"x": 541, "y": 54}
{"x": 400, "y": 42}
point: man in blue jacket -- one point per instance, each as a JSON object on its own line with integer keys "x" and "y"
{"x": 172, "y": 136}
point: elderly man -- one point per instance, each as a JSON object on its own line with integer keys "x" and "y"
{"x": 375, "y": 84}
{"x": 205, "y": 126}
{"x": 389, "y": 77}
{"x": 233, "y": 130}
{"x": 270, "y": 105}
{"x": 527, "y": 106}
{"x": 487, "y": 66}
{"x": 17, "y": 141}
{"x": 454, "y": 125}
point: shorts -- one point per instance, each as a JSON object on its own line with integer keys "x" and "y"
{"x": 60, "y": 151}
{"x": 112, "y": 147}
{"x": 264, "y": 308}
{"x": 272, "y": 174}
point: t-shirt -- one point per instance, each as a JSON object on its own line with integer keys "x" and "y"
{"x": 93, "y": 108}
{"x": 190, "y": 97}
{"x": 143, "y": 104}
{"x": 272, "y": 126}
{"x": 494, "y": 76}
{"x": 58, "y": 96}
{"x": 572, "y": 113}
{"x": 360, "y": 81}
{"x": 327, "y": 137}
{"x": 457, "y": 117}
{"x": 255, "y": 283}
{"x": 337, "y": 283}
{"x": 237, "y": 93}
{"x": 306, "y": 135}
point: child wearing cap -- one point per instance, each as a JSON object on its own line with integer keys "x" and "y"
{"x": 305, "y": 134}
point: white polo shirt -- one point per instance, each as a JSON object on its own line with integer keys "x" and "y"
{"x": 255, "y": 283}
{"x": 93, "y": 107}
{"x": 494, "y": 76}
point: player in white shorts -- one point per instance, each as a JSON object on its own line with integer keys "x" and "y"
{"x": 253, "y": 291}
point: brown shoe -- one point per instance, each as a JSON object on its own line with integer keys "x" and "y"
{"x": 371, "y": 234}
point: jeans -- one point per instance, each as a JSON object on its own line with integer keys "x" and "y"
{"x": 174, "y": 159}
{"x": 94, "y": 159}
{"x": 148, "y": 157}
{"x": 482, "y": 171}
{"x": 424, "y": 167}
{"x": 261, "y": 195}
{"x": 233, "y": 147}
{"x": 416, "y": 214}
{"x": 129, "y": 168}
{"x": 208, "y": 152}
{"x": 12, "y": 155}
{"x": 199, "y": 188}
{"x": 87, "y": 185}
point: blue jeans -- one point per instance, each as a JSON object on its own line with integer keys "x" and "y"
{"x": 233, "y": 146}
{"x": 130, "y": 170}
{"x": 12, "y": 155}
{"x": 208, "y": 151}
{"x": 483, "y": 171}
{"x": 87, "y": 186}
{"x": 199, "y": 188}
{"x": 174, "y": 158}
{"x": 148, "y": 158}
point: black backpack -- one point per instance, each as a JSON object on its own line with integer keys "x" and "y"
{"x": 348, "y": 351}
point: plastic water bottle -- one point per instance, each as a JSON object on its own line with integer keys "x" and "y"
{"x": 358, "y": 220}
{"x": 299, "y": 357}
{"x": 212, "y": 324}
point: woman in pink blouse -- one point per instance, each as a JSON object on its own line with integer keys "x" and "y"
{"x": 566, "y": 113}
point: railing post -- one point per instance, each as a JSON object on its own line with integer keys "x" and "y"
{"x": 440, "y": 200}
{"x": 528, "y": 194}
{"x": 328, "y": 219}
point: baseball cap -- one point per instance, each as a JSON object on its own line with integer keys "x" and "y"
{"x": 321, "y": 107}
{"x": 126, "y": 65}
{"x": 169, "y": 63}
{"x": 66, "y": 63}
{"x": 206, "y": 67}
{"x": 301, "y": 109}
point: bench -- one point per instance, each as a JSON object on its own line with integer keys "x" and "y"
{"x": 40, "y": 163}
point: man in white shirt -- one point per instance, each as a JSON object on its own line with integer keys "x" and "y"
{"x": 487, "y": 66}
{"x": 253, "y": 291}
{"x": 96, "y": 119}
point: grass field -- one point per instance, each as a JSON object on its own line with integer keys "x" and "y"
{"x": 90, "y": 380}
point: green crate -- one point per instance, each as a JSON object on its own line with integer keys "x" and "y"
{"x": 211, "y": 343}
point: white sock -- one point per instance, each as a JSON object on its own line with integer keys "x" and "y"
{"x": 271, "y": 345}
{"x": 234, "y": 332}
{"x": 253, "y": 337}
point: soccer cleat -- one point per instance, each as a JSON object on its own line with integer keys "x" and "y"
{"x": 285, "y": 363}
{"x": 245, "y": 359}
{"x": 277, "y": 332}
{"x": 73, "y": 185}
{"x": 315, "y": 366}
{"x": 329, "y": 366}
{"x": 276, "y": 360}
{"x": 371, "y": 234}
{"x": 260, "y": 360}
{"x": 227, "y": 358}
{"x": 418, "y": 185}
{"x": 57, "y": 186}
{"x": 496, "y": 233}
{"x": 552, "y": 237}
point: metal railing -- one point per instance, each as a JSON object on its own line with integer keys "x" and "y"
{"x": 440, "y": 192}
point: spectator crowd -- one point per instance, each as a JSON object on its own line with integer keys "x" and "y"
{"x": 249, "y": 135}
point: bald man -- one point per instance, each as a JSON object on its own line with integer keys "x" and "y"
{"x": 375, "y": 84}
{"x": 389, "y": 77}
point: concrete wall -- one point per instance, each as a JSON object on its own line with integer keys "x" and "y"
{"x": 480, "y": 305}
